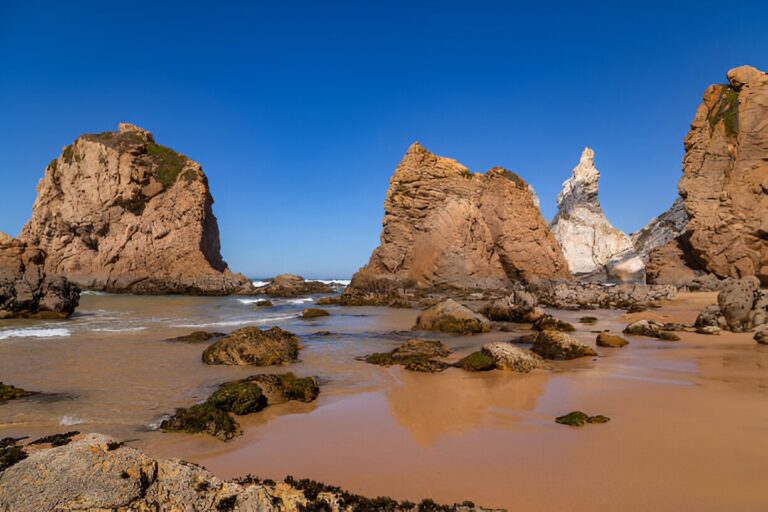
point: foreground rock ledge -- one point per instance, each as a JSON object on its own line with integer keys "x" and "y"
{"x": 97, "y": 473}
{"x": 118, "y": 212}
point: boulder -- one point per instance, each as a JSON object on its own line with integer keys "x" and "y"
{"x": 550, "y": 323}
{"x": 477, "y": 362}
{"x": 450, "y": 316}
{"x": 743, "y": 304}
{"x": 507, "y": 356}
{"x": 447, "y": 229}
{"x": 558, "y": 345}
{"x": 253, "y": 346}
{"x": 606, "y": 339}
{"x": 281, "y": 388}
{"x": 26, "y": 289}
{"x": 118, "y": 212}
{"x": 310, "y": 313}
{"x": 289, "y": 285}
{"x": 96, "y": 472}
{"x": 519, "y": 306}
{"x": 591, "y": 245}
{"x": 651, "y": 329}
{"x": 414, "y": 355}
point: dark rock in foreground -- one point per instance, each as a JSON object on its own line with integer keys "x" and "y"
{"x": 26, "y": 290}
{"x": 578, "y": 419}
{"x": 8, "y": 392}
{"x": 96, "y": 472}
{"x": 253, "y": 346}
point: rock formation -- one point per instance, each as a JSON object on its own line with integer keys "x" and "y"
{"x": 288, "y": 285}
{"x": 741, "y": 306}
{"x": 95, "y": 472}
{"x": 119, "y": 212}
{"x": 26, "y": 290}
{"x": 592, "y": 246}
{"x": 661, "y": 230}
{"x": 724, "y": 187}
{"x": 448, "y": 229}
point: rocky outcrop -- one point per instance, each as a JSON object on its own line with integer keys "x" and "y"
{"x": 253, "y": 346}
{"x": 724, "y": 186}
{"x": 26, "y": 289}
{"x": 661, "y": 230}
{"x": 414, "y": 355}
{"x": 575, "y": 295}
{"x": 96, "y": 472}
{"x": 450, "y": 316}
{"x": 118, "y": 212}
{"x": 289, "y": 285}
{"x": 558, "y": 345}
{"x": 593, "y": 247}
{"x": 446, "y": 228}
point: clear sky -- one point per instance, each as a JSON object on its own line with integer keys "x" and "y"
{"x": 299, "y": 111}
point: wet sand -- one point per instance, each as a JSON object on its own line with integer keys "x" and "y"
{"x": 688, "y": 429}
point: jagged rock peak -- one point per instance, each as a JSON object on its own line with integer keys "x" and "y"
{"x": 742, "y": 75}
{"x": 592, "y": 246}
{"x": 661, "y": 230}
{"x": 118, "y": 212}
{"x": 447, "y": 228}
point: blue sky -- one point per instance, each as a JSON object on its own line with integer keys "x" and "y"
{"x": 299, "y": 111}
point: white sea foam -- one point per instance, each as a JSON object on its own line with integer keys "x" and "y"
{"x": 233, "y": 323}
{"x": 341, "y": 282}
{"x": 155, "y": 425}
{"x": 33, "y": 332}
{"x": 303, "y": 300}
{"x": 249, "y": 301}
{"x": 71, "y": 420}
{"x": 92, "y": 292}
{"x": 259, "y": 284}
{"x": 119, "y": 329}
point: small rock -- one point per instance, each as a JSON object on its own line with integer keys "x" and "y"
{"x": 414, "y": 355}
{"x": 605, "y": 339}
{"x": 450, "y": 316}
{"x": 264, "y": 304}
{"x": 550, "y": 323}
{"x": 709, "y": 329}
{"x": 588, "y": 320}
{"x": 578, "y": 419}
{"x": 197, "y": 337}
{"x": 289, "y": 285}
{"x": 558, "y": 345}
{"x": 477, "y": 362}
{"x": 761, "y": 336}
{"x": 520, "y": 306}
{"x": 509, "y": 357}
{"x": 314, "y": 313}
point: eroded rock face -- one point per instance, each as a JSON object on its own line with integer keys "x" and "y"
{"x": 119, "y": 212}
{"x": 592, "y": 246}
{"x": 448, "y": 229}
{"x": 26, "y": 290}
{"x": 725, "y": 183}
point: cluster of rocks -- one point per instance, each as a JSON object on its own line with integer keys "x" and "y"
{"x": 742, "y": 306}
{"x": 26, "y": 289}
{"x": 96, "y": 472}
{"x": 579, "y": 295}
{"x": 289, "y": 285}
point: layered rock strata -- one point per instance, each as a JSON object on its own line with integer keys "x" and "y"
{"x": 118, "y": 212}
{"x": 446, "y": 228}
{"x": 592, "y": 246}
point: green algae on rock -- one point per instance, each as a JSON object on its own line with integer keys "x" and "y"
{"x": 579, "y": 419}
{"x": 477, "y": 362}
{"x": 414, "y": 355}
{"x": 8, "y": 392}
{"x": 253, "y": 346}
{"x": 203, "y": 418}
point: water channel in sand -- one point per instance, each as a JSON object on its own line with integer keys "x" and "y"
{"x": 689, "y": 428}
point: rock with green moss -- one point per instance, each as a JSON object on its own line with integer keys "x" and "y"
{"x": 238, "y": 397}
{"x": 202, "y": 418}
{"x": 559, "y": 346}
{"x": 606, "y": 339}
{"x": 198, "y": 337}
{"x": 414, "y": 355}
{"x": 477, "y": 362}
{"x": 253, "y": 346}
{"x": 450, "y": 316}
{"x": 280, "y": 388}
{"x": 310, "y": 313}
{"x": 579, "y": 419}
{"x": 8, "y": 392}
{"x": 550, "y": 323}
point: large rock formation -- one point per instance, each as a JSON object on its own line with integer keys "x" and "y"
{"x": 661, "y": 230}
{"x": 119, "y": 212}
{"x": 592, "y": 246}
{"x": 448, "y": 229}
{"x": 26, "y": 290}
{"x": 724, "y": 186}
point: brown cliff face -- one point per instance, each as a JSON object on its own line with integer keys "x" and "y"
{"x": 26, "y": 291}
{"x": 445, "y": 229}
{"x": 119, "y": 212}
{"x": 725, "y": 180}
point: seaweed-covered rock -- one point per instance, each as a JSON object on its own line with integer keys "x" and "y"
{"x": 8, "y": 392}
{"x": 579, "y": 419}
{"x": 550, "y": 323}
{"x": 477, "y": 362}
{"x": 198, "y": 337}
{"x": 56, "y": 439}
{"x": 507, "y": 356}
{"x": 238, "y": 397}
{"x": 26, "y": 289}
{"x": 606, "y": 339}
{"x": 519, "y": 306}
{"x": 202, "y": 418}
{"x": 450, "y": 316}
{"x": 558, "y": 345}
{"x": 10, "y": 454}
{"x": 415, "y": 355}
{"x": 309, "y": 313}
{"x": 280, "y": 388}
{"x": 651, "y": 329}
{"x": 588, "y": 320}
{"x": 289, "y": 285}
{"x": 253, "y": 346}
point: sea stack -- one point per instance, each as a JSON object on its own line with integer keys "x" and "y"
{"x": 593, "y": 247}
{"x": 724, "y": 187}
{"x": 446, "y": 228}
{"x": 118, "y": 212}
